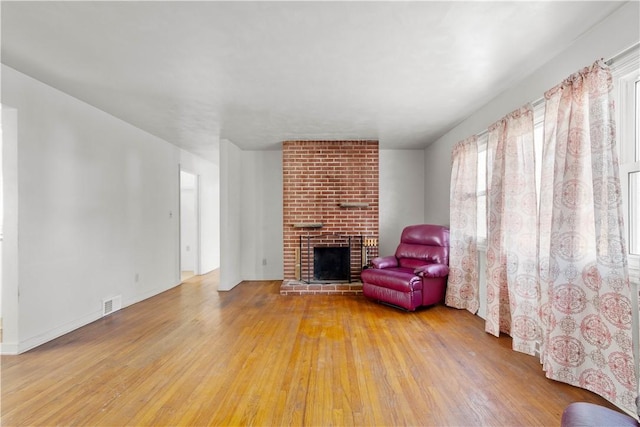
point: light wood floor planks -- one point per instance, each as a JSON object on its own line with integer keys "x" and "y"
{"x": 193, "y": 356}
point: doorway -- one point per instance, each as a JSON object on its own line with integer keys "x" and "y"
{"x": 189, "y": 226}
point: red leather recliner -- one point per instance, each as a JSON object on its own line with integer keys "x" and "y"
{"x": 416, "y": 275}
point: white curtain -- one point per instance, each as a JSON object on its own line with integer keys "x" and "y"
{"x": 462, "y": 288}
{"x": 585, "y": 306}
{"x": 512, "y": 267}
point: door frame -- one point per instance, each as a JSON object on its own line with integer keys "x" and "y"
{"x": 196, "y": 250}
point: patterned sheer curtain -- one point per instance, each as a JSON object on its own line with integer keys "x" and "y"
{"x": 462, "y": 288}
{"x": 512, "y": 267}
{"x": 586, "y": 311}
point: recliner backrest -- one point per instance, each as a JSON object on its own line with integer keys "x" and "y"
{"x": 423, "y": 244}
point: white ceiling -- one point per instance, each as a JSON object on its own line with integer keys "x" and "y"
{"x": 258, "y": 73}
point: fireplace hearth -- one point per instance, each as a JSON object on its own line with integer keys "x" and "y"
{"x": 329, "y": 264}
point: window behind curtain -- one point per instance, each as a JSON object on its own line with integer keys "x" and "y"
{"x": 538, "y": 119}
{"x": 482, "y": 190}
{"x": 627, "y": 79}
{"x": 634, "y": 182}
{"x": 626, "y": 73}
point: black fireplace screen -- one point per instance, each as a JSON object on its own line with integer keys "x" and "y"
{"x": 331, "y": 263}
{"x": 330, "y": 258}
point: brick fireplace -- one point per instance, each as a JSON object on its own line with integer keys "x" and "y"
{"x": 330, "y": 201}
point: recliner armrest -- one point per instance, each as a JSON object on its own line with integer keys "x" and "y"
{"x": 432, "y": 270}
{"x": 385, "y": 262}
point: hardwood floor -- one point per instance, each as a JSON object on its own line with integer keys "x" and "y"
{"x": 193, "y": 356}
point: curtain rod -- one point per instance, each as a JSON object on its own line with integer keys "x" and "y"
{"x": 622, "y": 54}
{"x": 610, "y": 61}
{"x": 534, "y": 104}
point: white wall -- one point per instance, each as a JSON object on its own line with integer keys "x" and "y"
{"x": 188, "y": 222}
{"x": 608, "y": 38}
{"x": 231, "y": 171}
{"x": 261, "y": 216}
{"x": 256, "y": 177}
{"x": 97, "y": 211}
{"x": 1, "y": 216}
{"x": 10, "y": 229}
{"x": 402, "y": 195}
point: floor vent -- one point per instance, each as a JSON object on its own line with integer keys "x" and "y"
{"x": 110, "y": 305}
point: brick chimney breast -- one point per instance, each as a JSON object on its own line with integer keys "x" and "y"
{"x": 329, "y": 188}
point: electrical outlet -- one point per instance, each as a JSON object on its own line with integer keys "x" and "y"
{"x": 136, "y": 278}
{"x": 264, "y": 261}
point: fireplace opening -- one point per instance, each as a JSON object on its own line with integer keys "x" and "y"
{"x": 331, "y": 264}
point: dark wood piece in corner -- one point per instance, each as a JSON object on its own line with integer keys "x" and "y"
{"x": 308, "y": 225}
{"x": 354, "y": 205}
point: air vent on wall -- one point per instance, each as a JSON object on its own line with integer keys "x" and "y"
{"x": 110, "y": 305}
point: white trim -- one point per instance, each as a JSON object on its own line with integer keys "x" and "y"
{"x": 625, "y": 70}
{"x": 51, "y": 334}
{"x": 625, "y": 61}
{"x": 8, "y": 349}
{"x": 197, "y": 269}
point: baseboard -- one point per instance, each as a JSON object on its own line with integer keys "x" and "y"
{"x": 54, "y": 333}
{"x": 8, "y": 349}
{"x": 33, "y": 342}
{"x": 126, "y": 302}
